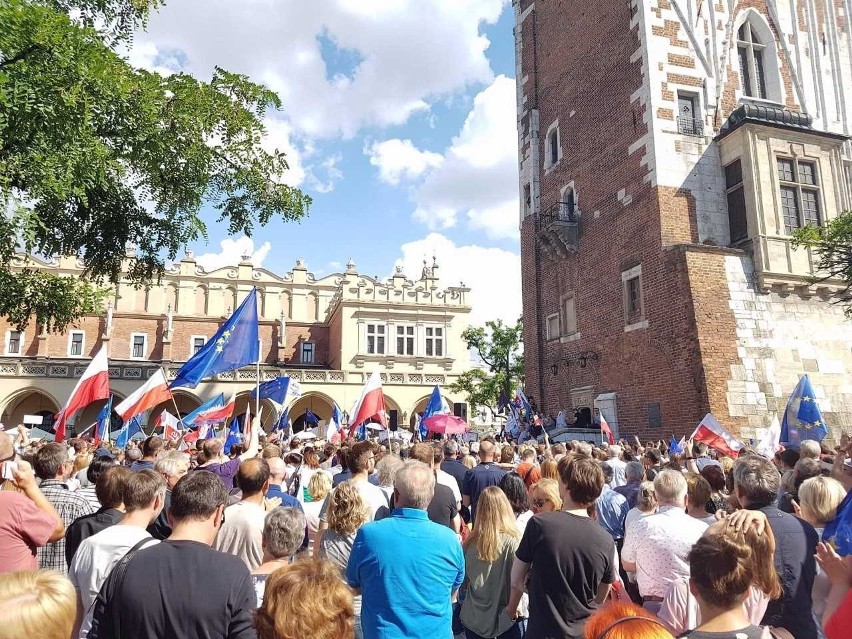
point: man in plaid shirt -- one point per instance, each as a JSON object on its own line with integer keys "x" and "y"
{"x": 51, "y": 465}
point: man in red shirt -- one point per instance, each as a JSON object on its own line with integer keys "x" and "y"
{"x": 27, "y": 519}
{"x": 528, "y": 470}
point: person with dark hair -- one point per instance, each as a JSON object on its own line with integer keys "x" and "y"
{"x": 486, "y": 474}
{"x": 516, "y": 492}
{"x": 199, "y": 592}
{"x": 51, "y": 465}
{"x": 612, "y": 508}
{"x": 109, "y": 489}
{"x": 715, "y": 476}
{"x": 220, "y": 464}
{"x": 756, "y": 484}
{"x": 804, "y": 469}
{"x": 567, "y": 556}
{"x": 151, "y": 448}
{"x": 652, "y": 461}
{"x": 242, "y": 532}
{"x": 143, "y": 493}
{"x": 94, "y": 470}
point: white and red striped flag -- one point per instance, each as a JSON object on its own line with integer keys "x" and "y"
{"x": 152, "y": 393}
{"x": 217, "y": 414}
{"x": 607, "y": 430}
{"x": 371, "y": 405}
{"x": 92, "y": 386}
{"x": 712, "y": 433}
{"x": 170, "y": 425}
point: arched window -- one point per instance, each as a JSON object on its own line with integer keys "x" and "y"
{"x": 554, "y": 146}
{"x": 751, "y": 52}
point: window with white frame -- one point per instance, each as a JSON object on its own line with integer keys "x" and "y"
{"x": 138, "y": 345}
{"x": 552, "y": 326}
{"x": 799, "y": 186}
{"x": 76, "y": 343}
{"x": 14, "y": 342}
{"x": 307, "y": 355}
{"x": 434, "y": 341}
{"x": 751, "y": 53}
{"x": 375, "y": 339}
{"x": 196, "y": 343}
{"x": 405, "y": 340}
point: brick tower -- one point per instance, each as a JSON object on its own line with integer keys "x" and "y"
{"x": 667, "y": 148}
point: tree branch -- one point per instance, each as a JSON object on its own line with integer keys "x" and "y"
{"x": 7, "y": 62}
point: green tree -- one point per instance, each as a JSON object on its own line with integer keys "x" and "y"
{"x": 832, "y": 243}
{"x": 499, "y": 347}
{"x": 96, "y": 155}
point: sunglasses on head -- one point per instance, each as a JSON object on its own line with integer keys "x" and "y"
{"x": 539, "y": 503}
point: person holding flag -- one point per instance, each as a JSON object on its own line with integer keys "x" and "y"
{"x": 334, "y": 427}
{"x": 802, "y": 418}
{"x": 437, "y": 406}
{"x": 127, "y": 432}
{"x": 218, "y": 462}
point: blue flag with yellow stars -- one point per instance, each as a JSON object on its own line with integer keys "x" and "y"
{"x": 233, "y": 346}
{"x": 802, "y": 418}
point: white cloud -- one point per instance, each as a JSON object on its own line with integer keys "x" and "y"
{"x": 493, "y": 274}
{"x": 477, "y": 177}
{"x": 397, "y": 159}
{"x": 409, "y": 53}
{"x": 232, "y": 252}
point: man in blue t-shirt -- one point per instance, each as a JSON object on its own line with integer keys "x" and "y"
{"x": 405, "y": 567}
{"x": 486, "y": 474}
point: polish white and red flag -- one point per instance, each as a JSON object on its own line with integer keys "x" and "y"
{"x": 92, "y": 386}
{"x": 217, "y": 414}
{"x": 712, "y": 433}
{"x": 170, "y": 425}
{"x": 371, "y": 404}
{"x": 610, "y": 438}
{"x": 152, "y": 393}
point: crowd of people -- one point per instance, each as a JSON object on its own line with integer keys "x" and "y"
{"x": 282, "y": 539}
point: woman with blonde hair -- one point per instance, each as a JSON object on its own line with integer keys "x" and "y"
{"x": 39, "y": 604}
{"x": 489, "y": 553}
{"x": 545, "y": 497}
{"x": 306, "y": 599}
{"x": 318, "y": 488}
{"x": 469, "y": 461}
{"x": 347, "y": 512}
{"x": 548, "y": 469}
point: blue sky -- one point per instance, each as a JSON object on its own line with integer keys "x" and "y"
{"x": 398, "y": 119}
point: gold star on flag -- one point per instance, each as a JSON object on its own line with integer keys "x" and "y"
{"x": 805, "y": 398}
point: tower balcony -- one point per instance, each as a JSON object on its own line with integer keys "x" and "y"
{"x": 559, "y": 230}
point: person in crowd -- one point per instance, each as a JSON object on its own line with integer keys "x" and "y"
{"x": 131, "y": 455}
{"x": 698, "y": 494}
{"x": 241, "y": 534}
{"x": 143, "y": 495}
{"x": 722, "y": 571}
{"x": 283, "y": 533}
{"x": 756, "y": 484}
{"x": 407, "y": 594}
{"x": 489, "y": 554}
{"x": 444, "y": 478}
{"x": 837, "y": 615}
{"x": 810, "y": 449}
{"x": 701, "y": 456}
{"x": 305, "y": 599}
{"x": 318, "y": 488}
{"x": 37, "y": 604}
{"x": 819, "y": 498}
{"x": 804, "y": 469}
{"x": 341, "y": 462}
{"x": 612, "y": 508}
{"x": 653, "y": 463}
{"x": 516, "y": 492}
{"x": 545, "y": 497}
{"x": 528, "y": 469}
{"x": 620, "y": 620}
{"x": 299, "y": 480}
{"x": 201, "y": 592}
{"x": 443, "y": 507}
{"x": 110, "y": 492}
{"x": 567, "y": 556}
{"x": 51, "y": 465}
{"x": 618, "y": 465}
{"x": 680, "y": 610}
{"x": 469, "y": 462}
{"x": 151, "y": 449}
{"x": 385, "y": 471}
{"x": 172, "y": 467}
{"x": 346, "y": 514}
{"x": 78, "y": 468}
{"x": 101, "y": 460}
{"x": 452, "y": 464}
{"x": 486, "y": 474}
{"x": 28, "y": 520}
{"x": 278, "y": 483}
{"x": 634, "y": 472}
{"x": 220, "y": 464}
{"x": 656, "y": 546}
{"x": 715, "y": 476}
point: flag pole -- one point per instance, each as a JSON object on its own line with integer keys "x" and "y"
{"x": 257, "y": 385}
{"x": 174, "y": 403}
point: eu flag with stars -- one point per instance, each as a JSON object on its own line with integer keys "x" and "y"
{"x": 130, "y": 429}
{"x": 103, "y": 421}
{"x": 802, "y": 417}
{"x": 233, "y": 436}
{"x": 436, "y": 406}
{"x": 233, "y": 346}
{"x": 283, "y": 422}
{"x": 278, "y": 389}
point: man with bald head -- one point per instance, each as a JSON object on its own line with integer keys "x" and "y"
{"x": 277, "y": 472}
{"x": 242, "y": 532}
{"x": 486, "y": 474}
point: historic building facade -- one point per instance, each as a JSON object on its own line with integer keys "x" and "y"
{"x": 667, "y": 149}
{"x": 328, "y": 333}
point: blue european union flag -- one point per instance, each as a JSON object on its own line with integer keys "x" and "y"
{"x": 189, "y": 419}
{"x": 434, "y": 407}
{"x": 103, "y": 420}
{"x": 283, "y": 422}
{"x": 233, "y": 436}
{"x": 675, "y": 447}
{"x": 310, "y": 417}
{"x": 278, "y": 389}
{"x": 233, "y": 346}
{"x": 839, "y": 530}
{"x": 802, "y": 417}
{"x": 128, "y": 431}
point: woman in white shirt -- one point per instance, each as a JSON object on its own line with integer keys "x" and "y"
{"x": 318, "y": 488}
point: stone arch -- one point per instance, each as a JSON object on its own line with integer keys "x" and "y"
{"x": 172, "y": 298}
{"x": 311, "y": 307}
{"x": 89, "y": 414}
{"x": 287, "y": 304}
{"x": 318, "y": 403}
{"x": 420, "y": 406}
{"x": 268, "y": 411}
{"x": 392, "y": 405}
{"x": 230, "y": 299}
{"x": 30, "y": 400}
